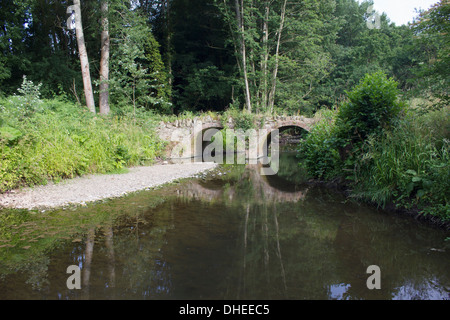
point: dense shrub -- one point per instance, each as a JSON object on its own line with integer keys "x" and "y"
{"x": 242, "y": 119}
{"x": 372, "y": 106}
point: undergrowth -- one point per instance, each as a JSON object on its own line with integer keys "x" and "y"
{"x": 50, "y": 140}
{"x": 386, "y": 152}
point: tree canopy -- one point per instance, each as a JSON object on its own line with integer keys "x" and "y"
{"x": 180, "y": 55}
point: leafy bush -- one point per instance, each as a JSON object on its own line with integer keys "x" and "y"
{"x": 28, "y": 102}
{"x": 372, "y": 107}
{"x": 9, "y": 135}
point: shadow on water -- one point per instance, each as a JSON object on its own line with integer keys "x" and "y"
{"x": 229, "y": 234}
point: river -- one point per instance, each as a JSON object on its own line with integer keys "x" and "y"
{"x": 227, "y": 234}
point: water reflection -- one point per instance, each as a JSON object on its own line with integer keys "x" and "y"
{"x": 234, "y": 234}
{"x": 249, "y": 186}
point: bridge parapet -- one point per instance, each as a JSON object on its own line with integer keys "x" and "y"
{"x": 165, "y": 129}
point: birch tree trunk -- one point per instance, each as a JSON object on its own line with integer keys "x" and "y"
{"x": 265, "y": 55}
{"x": 104, "y": 61}
{"x": 277, "y": 58}
{"x": 240, "y": 21}
{"x": 90, "y": 103}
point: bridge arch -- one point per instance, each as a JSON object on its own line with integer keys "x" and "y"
{"x": 192, "y": 131}
{"x": 285, "y": 126}
{"x": 203, "y": 138}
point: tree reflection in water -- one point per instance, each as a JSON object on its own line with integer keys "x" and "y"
{"x": 233, "y": 234}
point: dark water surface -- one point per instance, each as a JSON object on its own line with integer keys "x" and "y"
{"x": 229, "y": 234}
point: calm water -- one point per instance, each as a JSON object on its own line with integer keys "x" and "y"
{"x": 230, "y": 234}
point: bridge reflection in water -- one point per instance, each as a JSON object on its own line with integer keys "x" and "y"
{"x": 264, "y": 189}
{"x": 257, "y": 269}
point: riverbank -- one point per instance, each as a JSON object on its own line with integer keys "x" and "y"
{"x": 91, "y": 188}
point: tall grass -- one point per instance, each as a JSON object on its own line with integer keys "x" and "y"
{"x": 409, "y": 165}
{"x": 61, "y": 140}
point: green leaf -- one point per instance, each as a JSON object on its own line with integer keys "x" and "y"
{"x": 409, "y": 188}
{"x": 420, "y": 193}
{"x": 9, "y": 134}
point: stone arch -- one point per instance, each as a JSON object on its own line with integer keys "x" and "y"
{"x": 283, "y": 127}
{"x": 292, "y": 123}
{"x": 197, "y": 143}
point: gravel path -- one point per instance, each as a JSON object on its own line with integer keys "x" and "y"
{"x": 96, "y": 187}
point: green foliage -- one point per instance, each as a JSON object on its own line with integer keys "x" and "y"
{"x": 358, "y": 50}
{"x": 432, "y": 32}
{"x": 408, "y": 166}
{"x": 138, "y": 77}
{"x": 9, "y": 135}
{"x": 24, "y": 105}
{"x": 30, "y": 92}
{"x": 318, "y": 151}
{"x": 373, "y": 106}
{"x": 242, "y": 119}
{"x": 282, "y": 65}
{"x": 387, "y": 156}
{"x": 172, "y": 56}
{"x": 64, "y": 141}
{"x": 195, "y": 48}
{"x": 204, "y": 83}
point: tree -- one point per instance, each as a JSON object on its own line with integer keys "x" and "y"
{"x": 277, "y": 43}
{"x": 305, "y": 61}
{"x": 160, "y": 12}
{"x": 14, "y": 59}
{"x": 138, "y": 77}
{"x": 360, "y": 50}
{"x": 198, "y": 59}
{"x": 89, "y": 95}
{"x": 432, "y": 31}
{"x": 104, "y": 61}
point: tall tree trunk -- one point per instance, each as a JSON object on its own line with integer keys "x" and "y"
{"x": 104, "y": 61}
{"x": 90, "y": 103}
{"x": 167, "y": 35}
{"x": 240, "y": 20}
{"x": 265, "y": 55}
{"x": 277, "y": 58}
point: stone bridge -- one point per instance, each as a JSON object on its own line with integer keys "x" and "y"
{"x": 190, "y": 134}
